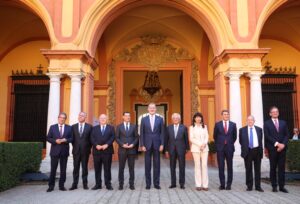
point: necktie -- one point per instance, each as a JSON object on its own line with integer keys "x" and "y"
{"x": 175, "y": 130}
{"x": 80, "y": 130}
{"x": 60, "y": 131}
{"x": 102, "y": 129}
{"x": 276, "y": 125}
{"x": 152, "y": 122}
{"x": 225, "y": 127}
{"x": 127, "y": 127}
{"x": 251, "y": 139}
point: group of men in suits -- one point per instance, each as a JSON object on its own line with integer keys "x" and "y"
{"x": 251, "y": 141}
{"x": 100, "y": 139}
{"x": 153, "y": 138}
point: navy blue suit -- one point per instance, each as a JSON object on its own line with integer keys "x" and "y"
{"x": 103, "y": 156}
{"x": 59, "y": 153}
{"x": 277, "y": 159}
{"x": 130, "y": 137}
{"x": 177, "y": 148}
{"x": 225, "y": 148}
{"x": 250, "y": 156}
{"x": 81, "y": 151}
{"x": 152, "y": 140}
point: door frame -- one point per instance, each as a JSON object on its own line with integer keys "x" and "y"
{"x": 184, "y": 65}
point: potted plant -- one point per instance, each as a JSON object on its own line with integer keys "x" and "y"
{"x": 212, "y": 156}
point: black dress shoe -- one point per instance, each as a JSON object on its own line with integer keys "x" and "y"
{"x": 157, "y": 187}
{"x": 96, "y": 187}
{"x": 228, "y": 188}
{"x": 50, "y": 189}
{"x": 109, "y": 188}
{"x": 274, "y": 189}
{"x": 85, "y": 187}
{"x": 221, "y": 188}
{"x": 182, "y": 187}
{"x": 131, "y": 187}
{"x": 120, "y": 187}
{"x": 249, "y": 189}
{"x": 62, "y": 189}
{"x": 73, "y": 188}
{"x": 284, "y": 190}
{"x": 147, "y": 187}
{"x": 259, "y": 189}
{"x": 172, "y": 186}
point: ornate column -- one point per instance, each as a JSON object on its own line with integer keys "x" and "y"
{"x": 75, "y": 97}
{"x": 54, "y": 103}
{"x": 256, "y": 103}
{"x": 235, "y": 106}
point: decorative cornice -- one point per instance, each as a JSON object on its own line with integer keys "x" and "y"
{"x": 238, "y": 53}
{"x": 83, "y": 55}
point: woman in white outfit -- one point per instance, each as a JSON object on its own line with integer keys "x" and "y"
{"x": 198, "y": 135}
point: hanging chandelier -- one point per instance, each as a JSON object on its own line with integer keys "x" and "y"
{"x": 151, "y": 83}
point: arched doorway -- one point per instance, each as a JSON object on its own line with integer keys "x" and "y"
{"x": 281, "y": 33}
{"x": 24, "y": 86}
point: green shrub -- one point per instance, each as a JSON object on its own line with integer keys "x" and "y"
{"x": 293, "y": 155}
{"x": 17, "y": 158}
{"x": 212, "y": 147}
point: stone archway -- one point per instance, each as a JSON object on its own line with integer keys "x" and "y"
{"x": 208, "y": 14}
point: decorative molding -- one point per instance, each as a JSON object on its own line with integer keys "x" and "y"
{"x": 39, "y": 72}
{"x": 244, "y": 54}
{"x": 64, "y": 61}
{"x": 153, "y": 52}
{"x": 269, "y": 69}
{"x": 111, "y": 105}
{"x": 194, "y": 87}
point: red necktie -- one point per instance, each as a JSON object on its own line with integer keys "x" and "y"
{"x": 60, "y": 131}
{"x": 276, "y": 125}
{"x": 225, "y": 127}
{"x": 225, "y": 130}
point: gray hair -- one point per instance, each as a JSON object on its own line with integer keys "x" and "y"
{"x": 176, "y": 114}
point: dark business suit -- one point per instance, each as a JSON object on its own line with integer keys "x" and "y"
{"x": 250, "y": 156}
{"x": 81, "y": 151}
{"x": 277, "y": 159}
{"x": 59, "y": 153}
{"x": 124, "y": 136}
{"x": 103, "y": 156}
{"x": 152, "y": 141}
{"x": 177, "y": 145}
{"x": 225, "y": 148}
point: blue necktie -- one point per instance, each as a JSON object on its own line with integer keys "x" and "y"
{"x": 102, "y": 129}
{"x": 251, "y": 139}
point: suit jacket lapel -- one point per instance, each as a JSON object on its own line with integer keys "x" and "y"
{"x": 247, "y": 136}
{"x": 57, "y": 131}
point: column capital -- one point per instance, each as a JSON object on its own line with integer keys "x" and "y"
{"x": 233, "y": 75}
{"x": 54, "y": 77}
{"x": 255, "y": 76}
{"x": 75, "y": 76}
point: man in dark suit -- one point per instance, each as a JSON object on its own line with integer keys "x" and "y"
{"x": 177, "y": 144}
{"x": 59, "y": 135}
{"x": 152, "y": 143}
{"x": 276, "y": 139}
{"x": 127, "y": 137}
{"x": 225, "y": 135}
{"x": 81, "y": 150}
{"x": 102, "y": 138}
{"x": 250, "y": 138}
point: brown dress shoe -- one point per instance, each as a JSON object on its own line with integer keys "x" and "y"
{"x": 198, "y": 188}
